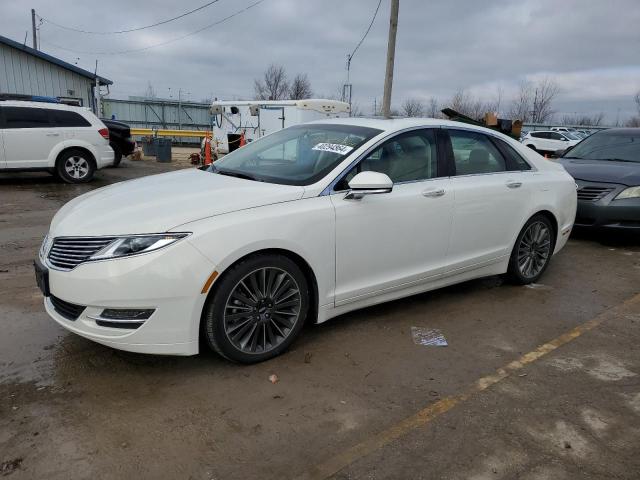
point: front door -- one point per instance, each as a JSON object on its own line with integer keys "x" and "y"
{"x": 29, "y": 137}
{"x": 390, "y": 241}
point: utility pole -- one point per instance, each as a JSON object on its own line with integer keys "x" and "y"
{"x": 391, "y": 53}
{"x": 33, "y": 28}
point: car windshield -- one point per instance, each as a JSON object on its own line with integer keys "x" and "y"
{"x": 299, "y": 155}
{"x": 608, "y": 146}
{"x": 571, "y": 135}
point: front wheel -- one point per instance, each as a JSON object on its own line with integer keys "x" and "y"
{"x": 532, "y": 251}
{"x": 258, "y": 309}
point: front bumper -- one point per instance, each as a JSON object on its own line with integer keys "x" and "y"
{"x": 609, "y": 213}
{"x": 168, "y": 281}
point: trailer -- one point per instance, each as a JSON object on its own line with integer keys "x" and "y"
{"x": 252, "y": 119}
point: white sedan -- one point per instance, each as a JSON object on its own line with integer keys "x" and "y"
{"x": 302, "y": 225}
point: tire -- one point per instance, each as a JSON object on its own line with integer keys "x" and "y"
{"x": 117, "y": 155}
{"x": 532, "y": 251}
{"x": 75, "y": 166}
{"x": 243, "y": 324}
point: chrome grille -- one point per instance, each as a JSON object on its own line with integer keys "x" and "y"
{"x": 593, "y": 193}
{"x": 68, "y": 252}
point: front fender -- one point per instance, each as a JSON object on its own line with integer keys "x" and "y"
{"x": 303, "y": 227}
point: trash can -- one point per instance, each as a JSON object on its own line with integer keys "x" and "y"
{"x": 163, "y": 149}
{"x": 148, "y": 147}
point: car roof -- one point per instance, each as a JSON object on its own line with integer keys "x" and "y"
{"x": 50, "y": 105}
{"x": 396, "y": 124}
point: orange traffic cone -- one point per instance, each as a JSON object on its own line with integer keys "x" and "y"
{"x": 207, "y": 150}
{"x": 546, "y": 156}
{"x": 242, "y": 140}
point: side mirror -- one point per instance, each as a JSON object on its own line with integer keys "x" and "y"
{"x": 368, "y": 183}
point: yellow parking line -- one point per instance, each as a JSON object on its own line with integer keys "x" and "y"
{"x": 334, "y": 464}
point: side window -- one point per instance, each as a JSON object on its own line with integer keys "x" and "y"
{"x": 23, "y": 117}
{"x": 555, "y": 136}
{"x": 407, "y": 157}
{"x": 515, "y": 161}
{"x": 474, "y": 153}
{"x": 537, "y": 135}
{"x": 64, "y": 118}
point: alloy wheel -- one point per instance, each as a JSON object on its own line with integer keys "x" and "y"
{"x": 76, "y": 167}
{"x": 534, "y": 249}
{"x": 262, "y": 310}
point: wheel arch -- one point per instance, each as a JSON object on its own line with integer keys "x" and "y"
{"x": 92, "y": 157}
{"x": 302, "y": 263}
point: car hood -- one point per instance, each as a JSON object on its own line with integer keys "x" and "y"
{"x": 158, "y": 203}
{"x": 606, "y": 171}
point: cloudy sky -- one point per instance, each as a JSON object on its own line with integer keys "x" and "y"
{"x": 591, "y": 48}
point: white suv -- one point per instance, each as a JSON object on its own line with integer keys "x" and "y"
{"x": 548, "y": 141}
{"x": 70, "y": 142}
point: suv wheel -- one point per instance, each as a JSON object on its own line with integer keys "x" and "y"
{"x": 75, "y": 166}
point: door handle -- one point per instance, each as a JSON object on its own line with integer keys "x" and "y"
{"x": 514, "y": 184}
{"x": 433, "y": 193}
{"x": 52, "y": 134}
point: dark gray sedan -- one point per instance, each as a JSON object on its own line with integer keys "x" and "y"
{"x": 606, "y": 167}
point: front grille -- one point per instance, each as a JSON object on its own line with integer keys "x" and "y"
{"x": 593, "y": 193}
{"x": 70, "y": 311}
{"x": 69, "y": 252}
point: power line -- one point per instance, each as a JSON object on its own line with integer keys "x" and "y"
{"x": 229, "y": 17}
{"x": 130, "y": 29}
{"x": 365, "y": 33}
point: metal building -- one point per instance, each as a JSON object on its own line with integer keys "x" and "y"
{"x": 25, "y": 70}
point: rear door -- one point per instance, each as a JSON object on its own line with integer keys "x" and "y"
{"x": 492, "y": 194}
{"x": 29, "y": 137}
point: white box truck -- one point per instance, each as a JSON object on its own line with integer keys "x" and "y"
{"x": 257, "y": 118}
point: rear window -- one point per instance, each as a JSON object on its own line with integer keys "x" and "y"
{"x": 64, "y": 118}
{"x": 25, "y": 117}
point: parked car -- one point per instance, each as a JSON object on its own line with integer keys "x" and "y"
{"x": 119, "y": 140}
{"x": 70, "y": 142}
{"x": 548, "y": 141}
{"x": 606, "y": 167}
{"x": 305, "y": 224}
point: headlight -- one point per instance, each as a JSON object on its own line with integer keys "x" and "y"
{"x": 127, "y": 246}
{"x": 631, "y": 192}
{"x": 45, "y": 246}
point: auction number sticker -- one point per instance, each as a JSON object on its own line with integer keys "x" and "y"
{"x": 333, "y": 148}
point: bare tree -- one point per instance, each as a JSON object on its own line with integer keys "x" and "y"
{"x": 356, "y": 111}
{"x": 273, "y": 86}
{"x": 465, "y": 103}
{"x": 633, "y": 122}
{"x": 150, "y": 92}
{"x": 586, "y": 120}
{"x": 534, "y": 101}
{"x": 300, "y": 87}
{"x": 433, "y": 108}
{"x": 545, "y": 92}
{"x": 412, "y": 107}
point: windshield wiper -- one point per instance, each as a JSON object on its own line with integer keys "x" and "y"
{"x": 230, "y": 173}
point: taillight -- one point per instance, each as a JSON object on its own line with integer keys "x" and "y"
{"x": 104, "y": 132}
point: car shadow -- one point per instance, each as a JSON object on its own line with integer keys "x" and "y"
{"x": 608, "y": 238}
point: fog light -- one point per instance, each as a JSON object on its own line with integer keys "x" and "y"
{"x": 126, "y": 314}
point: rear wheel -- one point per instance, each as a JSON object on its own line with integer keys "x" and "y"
{"x": 532, "y": 251}
{"x": 258, "y": 309}
{"x": 75, "y": 166}
{"x": 117, "y": 154}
